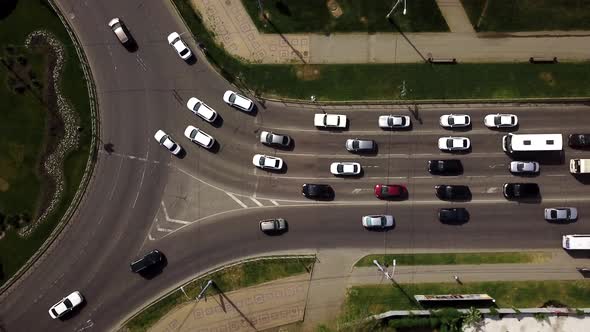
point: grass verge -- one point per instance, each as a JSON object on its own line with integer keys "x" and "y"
{"x": 458, "y": 258}
{"x": 296, "y": 16}
{"x": 529, "y": 15}
{"x": 28, "y": 16}
{"x": 422, "y": 81}
{"x": 362, "y": 301}
{"x": 235, "y": 277}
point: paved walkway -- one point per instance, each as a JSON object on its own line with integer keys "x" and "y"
{"x": 234, "y": 29}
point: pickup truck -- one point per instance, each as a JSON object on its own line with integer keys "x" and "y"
{"x": 329, "y": 120}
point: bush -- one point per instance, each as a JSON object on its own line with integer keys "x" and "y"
{"x": 13, "y": 220}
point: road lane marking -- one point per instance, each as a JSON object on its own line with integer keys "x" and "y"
{"x": 274, "y": 202}
{"x": 237, "y": 200}
{"x": 559, "y": 175}
{"x": 256, "y": 202}
{"x": 116, "y": 180}
{"x": 164, "y": 230}
{"x": 147, "y": 154}
{"x": 170, "y": 219}
{"x": 176, "y": 221}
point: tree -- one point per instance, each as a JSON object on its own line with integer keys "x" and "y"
{"x": 472, "y": 318}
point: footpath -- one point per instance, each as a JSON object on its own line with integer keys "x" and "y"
{"x": 234, "y": 28}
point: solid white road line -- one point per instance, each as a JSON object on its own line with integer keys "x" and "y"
{"x": 237, "y": 200}
{"x": 256, "y": 201}
{"x": 274, "y": 202}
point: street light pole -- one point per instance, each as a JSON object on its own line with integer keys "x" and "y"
{"x": 382, "y": 269}
{"x": 395, "y": 5}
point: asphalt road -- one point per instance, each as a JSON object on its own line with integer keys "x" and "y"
{"x": 147, "y": 90}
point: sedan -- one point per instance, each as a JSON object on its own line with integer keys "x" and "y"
{"x": 445, "y": 167}
{"x": 119, "y": 29}
{"x": 500, "y": 120}
{"x": 360, "y": 145}
{"x": 579, "y": 140}
{"x": 451, "y": 215}
{"x": 452, "y": 192}
{"x": 530, "y": 167}
{"x": 377, "y": 221}
{"x": 267, "y": 162}
{"x": 345, "y": 168}
{"x": 454, "y": 143}
{"x": 199, "y": 137}
{"x": 520, "y": 190}
{"x": 455, "y": 120}
{"x": 270, "y": 138}
{"x": 179, "y": 46}
{"x": 390, "y": 191}
{"x": 238, "y": 101}
{"x": 394, "y": 121}
{"x": 66, "y": 305}
{"x": 317, "y": 191}
{"x": 561, "y": 214}
{"x": 273, "y": 225}
{"x": 201, "y": 109}
{"x": 322, "y": 120}
{"x": 166, "y": 141}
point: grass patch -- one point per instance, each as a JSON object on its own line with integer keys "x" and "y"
{"x": 23, "y": 123}
{"x": 236, "y": 277}
{"x": 529, "y": 15}
{"x": 296, "y": 16}
{"x": 368, "y": 300}
{"x": 457, "y": 258}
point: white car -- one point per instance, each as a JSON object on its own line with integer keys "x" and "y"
{"x": 270, "y": 138}
{"x": 238, "y": 101}
{"x": 377, "y": 221}
{"x": 166, "y": 141}
{"x": 329, "y": 120}
{"x": 66, "y": 305}
{"x": 530, "y": 167}
{"x": 394, "y": 121}
{"x": 267, "y": 162}
{"x": 500, "y": 120}
{"x": 119, "y": 29}
{"x": 201, "y": 109}
{"x": 345, "y": 168}
{"x": 455, "y": 120}
{"x": 199, "y": 137}
{"x": 561, "y": 214}
{"x": 179, "y": 46}
{"x": 453, "y": 143}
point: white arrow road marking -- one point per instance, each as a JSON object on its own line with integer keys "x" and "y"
{"x": 492, "y": 190}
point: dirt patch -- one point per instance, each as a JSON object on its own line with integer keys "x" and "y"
{"x": 334, "y": 8}
{"x": 308, "y": 72}
{"x": 4, "y": 185}
{"x": 547, "y": 78}
{"x": 363, "y": 20}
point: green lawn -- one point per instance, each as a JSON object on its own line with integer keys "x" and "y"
{"x": 236, "y": 277}
{"x": 457, "y": 258}
{"x": 367, "y": 300}
{"x": 295, "y": 16}
{"x": 529, "y": 15}
{"x": 23, "y": 123}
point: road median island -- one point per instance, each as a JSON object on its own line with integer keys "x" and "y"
{"x": 180, "y": 306}
{"x": 521, "y": 257}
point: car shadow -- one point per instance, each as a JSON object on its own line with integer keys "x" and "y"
{"x": 283, "y": 170}
{"x": 544, "y": 158}
{"x": 459, "y": 152}
{"x": 455, "y": 222}
{"x": 131, "y": 45}
{"x": 582, "y": 178}
{"x": 289, "y": 147}
{"x": 218, "y": 121}
{"x": 181, "y": 154}
{"x": 505, "y": 129}
{"x": 357, "y": 176}
{"x": 192, "y": 60}
{"x": 155, "y": 270}
{"x": 278, "y": 233}
{"x": 579, "y": 254}
{"x": 458, "y": 129}
{"x": 529, "y": 200}
{"x": 215, "y": 148}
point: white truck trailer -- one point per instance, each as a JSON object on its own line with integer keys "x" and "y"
{"x": 579, "y": 166}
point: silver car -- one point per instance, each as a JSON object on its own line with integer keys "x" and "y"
{"x": 561, "y": 214}
{"x": 377, "y": 221}
{"x": 530, "y": 167}
{"x": 360, "y": 145}
{"x": 273, "y": 225}
{"x": 270, "y": 138}
{"x": 119, "y": 29}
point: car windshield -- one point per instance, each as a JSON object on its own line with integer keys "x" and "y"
{"x": 384, "y": 190}
{"x": 284, "y": 139}
{"x": 193, "y": 133}
{"x": 54, "y": 312}
{"x": 451, "y": 120}
{"x": 449, "y": 143}
{"x": 553, "y": 213}
{"x": 262, "y": 160}
{"x": 183, "y": 52}
{"x": 497, "y": 120}
{"x": 68, "y": 303}
{"x": 464, "y": 143}
{"x": 340, "y": 168}
{"x": 355, "y": 144}
{"x": 232, "y": 97}
{"x": 390, "y": 121}
{"x": 276, "y": 163}
{"x": 520, "y": 166}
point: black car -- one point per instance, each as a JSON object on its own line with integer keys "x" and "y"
{"x": 520, "y": 190}
{"x": 579, "y": 140}
{"x": 452, "y": 192}
{"x": 451, "y": 215}
{"x": 445, "y": 166}
{"x": 317, "y": 191}
{"x": 150, "y": 260}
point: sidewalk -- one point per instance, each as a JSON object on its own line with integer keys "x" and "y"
{"x": 235, "y": 30}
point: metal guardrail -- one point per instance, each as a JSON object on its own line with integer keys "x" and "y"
{"x": 88, "y": 171}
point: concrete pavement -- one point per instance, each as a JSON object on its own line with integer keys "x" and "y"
{"x": 234, "y": 29}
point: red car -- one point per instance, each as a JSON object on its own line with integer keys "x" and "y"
{"x": 387, "y": 191}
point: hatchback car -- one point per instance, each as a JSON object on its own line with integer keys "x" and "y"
{"x": 149, "y": 261}
{"x": 394, "y": 121}
{"x": 455, "y": 120}
{"x": 199, "y": 137}
{"x": 238, "y": 101}
{"x": 579, "y": 140}
{"x": 317, "y": 191}
{"x": 524, "y": 167}
{"x": 520, "y": 190}
{"x": 66, "y": 305}
{"x": 561, "y": 214}
{"x": 119, "y": 29}
{"x": 454, "y": 143}
{"x": 452, "y": 215}
{"x": 390, "y": 191}
{"x": 360, "y": 145}
{"x": 273, "y": 225}
{"x": 345, "y": 168}
{"x": 166, "y": 141}
{"x": 377, "y": 221}
{"x": 179, "y": 46}
{"x": 267, "y": 162}
{"x": 452, "y": 192}
{"x": 201, "y": 109}
{"x": 500, "y": 120}
{"x": 270, "y": 138}
{"x": 445, "y": 167}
